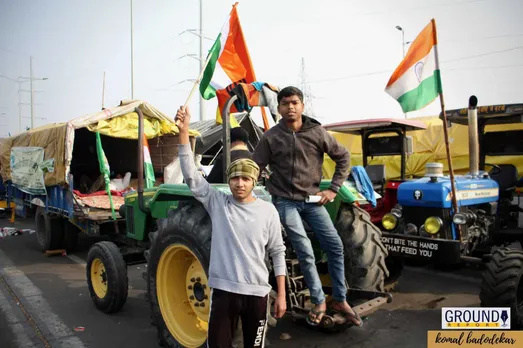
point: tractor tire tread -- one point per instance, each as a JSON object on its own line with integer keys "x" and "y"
{"x": 365, "y": 254}
{"x": 189, "y": 224}
{"x": 499, "y": 286}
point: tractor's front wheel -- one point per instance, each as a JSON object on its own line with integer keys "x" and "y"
{"x": 107, "y": 277}
{"x": 179, "y": 293}
{"x": 502, "y": 283}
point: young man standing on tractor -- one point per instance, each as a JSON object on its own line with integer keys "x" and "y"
{"x": 239, "y": 149}
{"x": 244, "y": 229}
{"x": 294, "y": 150}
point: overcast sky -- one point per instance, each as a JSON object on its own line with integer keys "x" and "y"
{"x": 350, "y": 49}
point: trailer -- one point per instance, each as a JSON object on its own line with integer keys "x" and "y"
{"x": 52, "y": 173}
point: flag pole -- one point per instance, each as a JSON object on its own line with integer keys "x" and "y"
{"x": 445, "y": 125}
{"x": 447, "y": 147}
{"x": 198, "y": 80}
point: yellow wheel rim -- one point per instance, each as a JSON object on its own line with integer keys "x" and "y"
{"x": 183, "y": 295}
{"x": 99, "y": 278}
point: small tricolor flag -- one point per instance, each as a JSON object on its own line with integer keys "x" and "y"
{"x": 148, "y": 165}
{"x": 416, "y": 82}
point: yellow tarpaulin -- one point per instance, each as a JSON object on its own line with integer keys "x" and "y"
{"x": 429, "y": 146}
{"x": 126, "y": 127}
{"x": 57, "y": 139}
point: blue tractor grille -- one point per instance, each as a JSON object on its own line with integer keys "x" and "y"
{"x": 418, "y": 215}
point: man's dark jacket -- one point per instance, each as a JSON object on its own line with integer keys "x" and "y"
{"x": 296, "y": 159}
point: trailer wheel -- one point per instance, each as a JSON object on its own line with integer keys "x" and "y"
{"x": 365, "y": 254}
{"x": 178, "y": 290}
{"x": 49, "y": 230}
{"x": 71, "y": 232}
{"x": 107, "y": 277}
{"x": 502, "y": 283}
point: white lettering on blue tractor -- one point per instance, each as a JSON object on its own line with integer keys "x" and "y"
{"x": 410, "y": 247}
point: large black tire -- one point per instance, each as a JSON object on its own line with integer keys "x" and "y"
{"x": 365, "y": 254}
{"x": 395, "y": 267}
{"x": 113, "y": 275}
{"x": 49, "y": 230}
{"x": 190, "y": 227}
{"x": 502, "y": 283}
{"x": 70, "y": 240}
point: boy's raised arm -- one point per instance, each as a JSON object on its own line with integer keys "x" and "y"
{"x": 200, "y": 188}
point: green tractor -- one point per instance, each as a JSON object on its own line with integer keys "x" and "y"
{"x": 173, "y": 230}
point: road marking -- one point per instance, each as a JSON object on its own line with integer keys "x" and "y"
{"x": 30, "y": 297}
{"x": 76, "y": 259}
{"x": 17, "y": 328}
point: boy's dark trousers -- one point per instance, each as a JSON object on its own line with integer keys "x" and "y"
{"x": 226, "y": 309}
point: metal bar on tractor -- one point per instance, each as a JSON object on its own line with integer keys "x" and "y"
{"x": 226, "y": 123}
{"x": 140, "y": 171}
{"x": 402, "y": 133}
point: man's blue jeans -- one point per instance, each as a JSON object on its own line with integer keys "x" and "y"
{"x": 291, "y": 212}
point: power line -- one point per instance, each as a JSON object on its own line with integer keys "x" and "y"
{"x": 391, "y": 70}
{"x": 483, "y": 54}
{"x": 453, "y": 3}
{"x": 483, "y": 38}
{"x": 487, "y": 67}
{"x": 353, "y": 76}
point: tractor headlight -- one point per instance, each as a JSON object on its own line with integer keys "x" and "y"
{"x": 433, "y": 224}
{"x": 410, "y": 229}
{"x": 389, "y": 221}
{"x": 396, "y": 212}
{"x": 459, "y": 219}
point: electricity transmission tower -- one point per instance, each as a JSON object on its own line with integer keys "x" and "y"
{"x": 307, "y": 95}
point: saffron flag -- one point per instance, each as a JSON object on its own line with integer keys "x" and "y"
{"x": 416, "y": 82}
{"x": 148, "y": 164}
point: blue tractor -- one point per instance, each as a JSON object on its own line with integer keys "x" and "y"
{"x": 425, "y": 227}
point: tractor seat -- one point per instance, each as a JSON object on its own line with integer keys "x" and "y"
{"x": 507, "y": 178}
{"x": 377, "y": 175}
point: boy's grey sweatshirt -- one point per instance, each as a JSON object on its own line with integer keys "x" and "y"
{"x": 242, "y": 233}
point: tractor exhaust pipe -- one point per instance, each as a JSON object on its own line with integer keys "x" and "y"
{"x": 473, "y": 136}
{"x": 140, "y": 161}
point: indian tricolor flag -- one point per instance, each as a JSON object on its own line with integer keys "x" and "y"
{"x": 229, "y": 59}
{"x": 416, "y": 82}
{"x": 148, "y": 164}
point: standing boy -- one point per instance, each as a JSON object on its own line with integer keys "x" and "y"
{"x": 244, "y": 229}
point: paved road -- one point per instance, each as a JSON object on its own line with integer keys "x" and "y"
{"x": 44, "y": 300}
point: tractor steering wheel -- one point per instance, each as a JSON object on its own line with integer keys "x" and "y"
{"x": 495, "y": 168}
